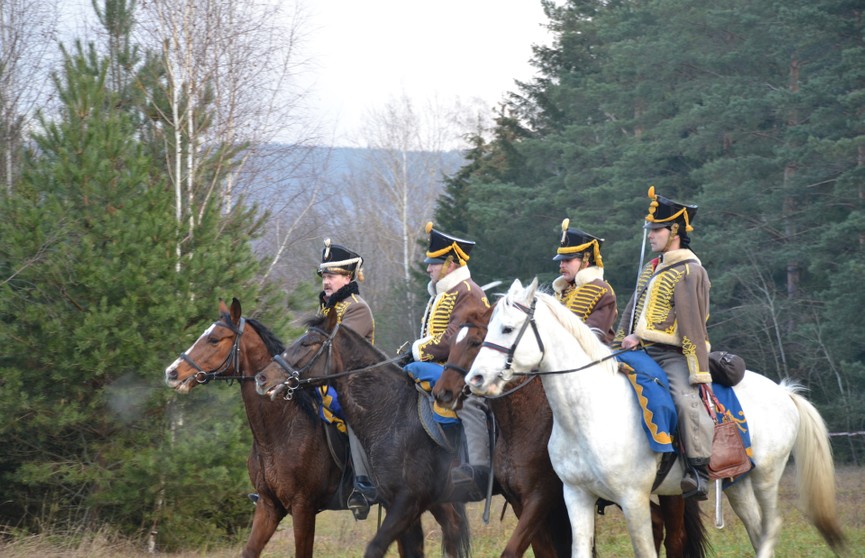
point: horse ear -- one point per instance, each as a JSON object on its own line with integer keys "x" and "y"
{"x": 223, "y": 309}
{"x": 515, "y": 286}
{"x": 235, "y": 311}
{"x": 530, "y": 290}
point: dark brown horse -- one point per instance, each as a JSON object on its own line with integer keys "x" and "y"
{"x": 523, "y": 469}
{"x": 381, "y": 403}
{"x": 289, "y": 465}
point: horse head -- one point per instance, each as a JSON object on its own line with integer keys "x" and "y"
{"x": 307, "y": 357}
{"x": 216, "y": 352}
{"x": 506, "y": 348}
{"x": 464, "y": 346}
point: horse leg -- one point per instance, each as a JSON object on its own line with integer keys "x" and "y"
{"x": 531, "y": 529}
{"x": 766, "y": 493}
{"x": 410, "y": 542}
{"x": 669, "y": 514}
{"x": 744, "y": 503}
{"x": 401, "y": 515}
{"x": 638, "y": 518}
{"x": 303, "y": 521}
{"x": 264, "y": 522}
{"x": 581, "y": 511}
{"x": 456, "y": 542}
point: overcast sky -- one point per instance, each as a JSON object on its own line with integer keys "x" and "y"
{"x": 366, "y": 52}
{"x": 363, "y": 53}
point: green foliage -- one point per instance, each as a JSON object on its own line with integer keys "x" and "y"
{"x": 94, "y": 303}
{"x": 753, "y": 112}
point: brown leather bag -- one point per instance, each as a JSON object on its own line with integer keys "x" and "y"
{"x": 729, "y": 458}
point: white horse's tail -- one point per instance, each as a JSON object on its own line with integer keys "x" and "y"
{"x": 815, "y": 470}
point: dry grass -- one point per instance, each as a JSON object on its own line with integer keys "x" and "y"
{"x": 339, "y": 536}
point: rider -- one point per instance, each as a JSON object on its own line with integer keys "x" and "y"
{"x": 452, "y": 294}
{"x": 340, "y": 270}
{"x": 581, "y": 286}
{"x": 667, "y": 316}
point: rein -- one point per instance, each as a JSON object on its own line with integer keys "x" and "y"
{"x": 232, "y": 359}
{"x": 465, "y": 392}
{"x": 295, "y": 381}
{"x": 530, "y": 319}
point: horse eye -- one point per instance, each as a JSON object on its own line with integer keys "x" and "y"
{"x": 507, "y": 329}
{"x": 213, "y": 340}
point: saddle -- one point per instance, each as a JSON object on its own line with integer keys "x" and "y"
{"x": 660, "y": 419}
{"x": 337, "y": 445}
{"x": 448, "y": 439}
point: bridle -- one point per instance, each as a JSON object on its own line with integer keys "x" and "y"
{"x": 530, "y": 319}
{"x": 509, "y": 351}
{"x": 295, "y": 380}
{"x": 466, "y": 391}
{"x": 231, "y": 361}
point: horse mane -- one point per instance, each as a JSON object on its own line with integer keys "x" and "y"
{"x": 591, "y": 345}
{"x": 271, "y": 342}
{"x": 275, "y": 347}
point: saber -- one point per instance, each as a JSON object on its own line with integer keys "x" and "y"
{"x": 719, "y": 509}
{"x": 637, "y": 283}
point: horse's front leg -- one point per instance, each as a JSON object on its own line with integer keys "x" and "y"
{"x": 638, "y": 516}
{"x": 264, "y": 524}
{"x": 531, "y": 529}
{"x": 581, "y": 511}
{"x": 410, "y": 542}
{"x": 401, "y": 514}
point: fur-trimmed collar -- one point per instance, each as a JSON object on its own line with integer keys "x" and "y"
{"x": 449, "y": 281}
{"x": 343, "y": 293}
{"x": 673, "y": 256}
{"x": 582, "y": 277}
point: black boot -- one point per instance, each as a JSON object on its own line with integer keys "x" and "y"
{"x": 470, "y": 482}
{"x": 362, "y": 497}
{"x": 695, "y": 482}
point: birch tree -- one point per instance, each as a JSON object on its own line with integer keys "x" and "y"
{"x": 227, "y": 89}
{"x": 390, "y": 195}
{"x": 27, "y": 37}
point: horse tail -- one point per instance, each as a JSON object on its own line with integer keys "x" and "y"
{"x": 815, "y": 470}
{"x": 697, "y": 543}
{"x": 464, "y": 546}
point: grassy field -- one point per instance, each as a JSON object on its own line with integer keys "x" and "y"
{"x": 339, "y": 536}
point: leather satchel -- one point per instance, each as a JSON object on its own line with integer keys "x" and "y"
{"x": 729, "y": 458}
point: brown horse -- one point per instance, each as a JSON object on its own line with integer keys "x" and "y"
{"x": 522, "y": 466}
{"x": 289, "y": 465}
{"x": 381, "y": 403}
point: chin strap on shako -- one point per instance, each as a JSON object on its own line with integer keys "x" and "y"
{"x": 530, "y": 313}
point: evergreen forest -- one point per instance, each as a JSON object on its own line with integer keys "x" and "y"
{"x": 120, "y": 231}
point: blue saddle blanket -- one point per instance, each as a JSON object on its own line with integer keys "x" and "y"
{"x": 660, "y": 419}
{"x": 653, "y": 394}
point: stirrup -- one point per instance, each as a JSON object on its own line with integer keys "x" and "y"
{"x": 358, "y": 504}
{"x": 469, "y": 483}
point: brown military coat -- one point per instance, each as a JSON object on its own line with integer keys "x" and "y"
{"x": 592, "y": 299}
{"x": 451, "y": 297}
{"x": 352, "y": 311}
{"x": 673, "y": 309}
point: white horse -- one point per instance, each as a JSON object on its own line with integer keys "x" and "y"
{"x": 598, "y": 447}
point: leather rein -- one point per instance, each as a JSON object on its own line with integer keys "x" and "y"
{"x": 510, "y": 351}
{"x": 295, "y": 380}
